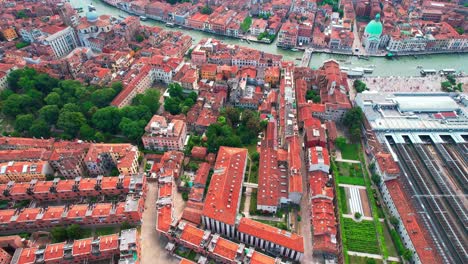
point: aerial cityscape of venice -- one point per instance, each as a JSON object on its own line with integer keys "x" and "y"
{"x": 233, "y": 131}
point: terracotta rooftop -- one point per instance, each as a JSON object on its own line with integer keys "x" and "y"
{"x": 270, "y": 233}
{"x": 222, "y": 198}
{"x": 226, "y": 249}
{"x": 192, "y": 235}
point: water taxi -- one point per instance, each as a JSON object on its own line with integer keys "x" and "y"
{"x": 143, "y": 18}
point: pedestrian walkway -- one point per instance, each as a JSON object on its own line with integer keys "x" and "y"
{"x": 351, "y": 186}
{"x": 374, "y": 256}
{"x": 362, "y": 217}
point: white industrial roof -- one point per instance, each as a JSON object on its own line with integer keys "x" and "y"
{"x": 426, "y": 103}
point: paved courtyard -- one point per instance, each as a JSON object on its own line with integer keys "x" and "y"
{"x": 151, "y": 242}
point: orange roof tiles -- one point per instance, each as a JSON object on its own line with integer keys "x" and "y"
{"x": 192, "y": 235}
{"x": 272, "y": 234}
{"x": 222, "y": 198}
{"x": 77, "y": 211}
{"x": 186, "y": 261}
{"x": 202, "y": 173}
{"x": 5, "y": 216}
{"x": 27, "y": 256}
{"x": 226, "y": 249}
{"x": 28, "y": 215}
{"x": 164, "y": 218}
{"x": 109, "y": 242}
{"x": 192, "y": 215}
{"x": 420, "y": 239}
{"x": 295, "y": 165}
{"x": 386, "y": 163}
{"x": 53, "y": 252}
{"x": 53, "y": 212}
{"x": 82, "y": 246}
{"x": 43, "y": 186}
{"x": 165, "y": 190}
{"x": 259, "y": 258}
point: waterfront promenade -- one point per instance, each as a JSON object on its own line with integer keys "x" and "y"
{"x": 407, "y": 84}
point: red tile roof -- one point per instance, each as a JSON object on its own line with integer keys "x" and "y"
{"x": 82, "y": 246}
{"x": 272, "y": 234}
{"x": 164, "y": 218}
{"x": 109, "y": 242}
{"x": 192, "y": 215}
{"x": 295, "y": 165}
{"x": 192, "y": 235}
{"x": 202, "y": 173}
{"x": 27, "y": 256}
{"x": 222, "y": 198}
{"x": 53, "y": 252}
{"x": 259, "y": 258}
{"x": 226, "y": 249}
{"x": 418, "y": 235}
{"x": 387, "y": 164}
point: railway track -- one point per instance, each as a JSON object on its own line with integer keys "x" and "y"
{"x": 455, "y": 164}
{"x": 448, "y": 233}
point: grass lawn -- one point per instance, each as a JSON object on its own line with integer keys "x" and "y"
{"x": 280, "y": 225}
{"x": 252, "y": 148}
{"x": 253, "y": 203}
{"x": 186, "y": 253}
{"x": 350, "y": 180}
{"x": 363, "y": 260}
{"x": 389, "y": 242}
{"x": 350, "y": 151}
{"x": 242, "y": 203}
{"x": 103, "y": 231}
{"x": 361, "y": 236}
{"x": 87, "y": 233}
{"x": 343, "y": 201}
{"x": 349, "y": 169}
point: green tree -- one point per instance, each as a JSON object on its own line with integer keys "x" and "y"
{"x": 117, "y": 86}
{"x": 150, "y": 99}
{"x": 23, "y": 122}
{"x": 74, "y": 231}
{"x": 172, "y": 106}
{"x": 313, "y": 95}
{"x": 360, "y": 86}
{"x": 16, "y": 104}
{"x": 21, "y": 14}
{"x": 245, "y": 25}
{"x": 53, "y": 98}
{"x": 139, "y": 38}
{"x": 206, "y": 10}
{"x": 71, "y": 122}
{"x": 59, "y": 234}
{"x": 107, "y": 119}
{"x": 408, "y": 254}
{"x": 352, "y": 120}
{"x": 39, "y": 129}
{"x": 70, "y": 107}
{"x": 132, "y": 129}
{"x": 102, "y": 97}
{"x": 340, "y": 142}
{"x": 394, "y": 221}
{"x": 87, "y": 132}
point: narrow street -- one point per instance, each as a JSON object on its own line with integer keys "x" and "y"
{"x": 305, "y": 228}
{"x": 152, "y": 243}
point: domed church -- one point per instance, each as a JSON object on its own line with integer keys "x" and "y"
{"x": 372, "y": 34}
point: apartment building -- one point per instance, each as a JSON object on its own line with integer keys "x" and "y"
{"x": 125, "y": 246}
{"x": 161, "y": 135}
{"x": 82, "y": 214}
{"x": 24, "y": 171}
{"x": 72, "y": 189}
{"x": 61, "y": 40}
{"x": 101, "y": 158}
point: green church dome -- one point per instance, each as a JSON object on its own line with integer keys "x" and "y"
{"x": 375, "y": 26}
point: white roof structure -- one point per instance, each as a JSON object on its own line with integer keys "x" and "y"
{"x": 426, "y": 103}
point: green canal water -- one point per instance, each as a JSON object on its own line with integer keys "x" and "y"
{"x": 402, "y": 66}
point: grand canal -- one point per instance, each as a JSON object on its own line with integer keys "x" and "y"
{"x": 402, "y": 66}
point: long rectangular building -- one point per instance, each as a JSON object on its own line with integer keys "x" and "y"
{"x": 83, "y": 214}
{"x": 71, "y": 189}
{"x": 224, "y": 193}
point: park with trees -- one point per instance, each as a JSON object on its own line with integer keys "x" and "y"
{"x": 38, "y": 105}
